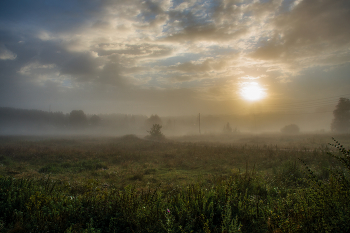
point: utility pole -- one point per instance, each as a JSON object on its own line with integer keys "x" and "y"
{"x": 254, "y": 123}
{"x": 199, "y": 123}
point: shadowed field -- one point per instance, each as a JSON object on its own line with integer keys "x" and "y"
{"x": 264, "y": 170}
{"x": 131, "y": 160}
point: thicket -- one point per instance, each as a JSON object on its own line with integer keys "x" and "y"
{"x": 243, "y": 202}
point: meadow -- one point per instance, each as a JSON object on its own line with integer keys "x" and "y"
{"x": 199, "y": 183}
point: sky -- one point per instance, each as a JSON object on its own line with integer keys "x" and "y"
{"x": 174, "y": 57}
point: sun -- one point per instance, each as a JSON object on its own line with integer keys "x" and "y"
{"x": 252, "y": 91}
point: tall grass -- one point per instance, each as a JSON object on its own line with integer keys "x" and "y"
{"x": 268, "y": 191}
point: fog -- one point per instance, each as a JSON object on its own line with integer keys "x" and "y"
{"x": 77, "y": 122}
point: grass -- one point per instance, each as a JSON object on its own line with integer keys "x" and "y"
{"x": 255, "y": 183}
{"x": 130, "y": 160}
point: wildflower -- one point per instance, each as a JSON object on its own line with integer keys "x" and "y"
{"x": 168, "y": 210}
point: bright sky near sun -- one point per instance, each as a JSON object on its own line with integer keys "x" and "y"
{"x": 252, "y": 91}
{"x": 171, "y": 57}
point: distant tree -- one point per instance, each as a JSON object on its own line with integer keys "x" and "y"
{"x": 94, "y": 120}
{"x": 77, "y": 118}
{"x": 155, "y": 132}
{"x": 154, "y": 119}
{"x": 290, "y": 129}
{"x": 341, "y": 121}
{"x": 227, "y": 128}
{"x": 22, "y": 120}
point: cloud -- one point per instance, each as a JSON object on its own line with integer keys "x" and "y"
{"x": 201, "y": 66}
{"x": 137, "y": 51}
{"x": 35, "y": 68}
{"x": 81, "y": 64}
{"x": 6, "y": 54}
{"x": 149, "y": 48}
{"x": 308, "y": 32}
{"x": 204, "y": 23}
{"x": 207, "y": 32}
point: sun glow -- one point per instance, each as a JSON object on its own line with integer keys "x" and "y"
{"x": 252, "y": 91}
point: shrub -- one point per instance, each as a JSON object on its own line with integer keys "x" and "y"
{"x": 290, "y": 129}
{"x": 155, "y": 132}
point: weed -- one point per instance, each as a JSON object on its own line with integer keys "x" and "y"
{"x": 173, "y": 187}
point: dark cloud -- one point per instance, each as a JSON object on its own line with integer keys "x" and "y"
{"x": 312, "y": 28}
{"x": 140, "y": 50}
{"x": 204, "y": 66}
{"x": 208, "y": 22}
{"x": 207, "y": 32}
{"x": 50, "y": 15}
{"x": 316, "y": 23}
{"x": 80, "y": 64}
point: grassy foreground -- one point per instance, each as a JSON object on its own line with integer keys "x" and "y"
{"x": 132, "y": 185}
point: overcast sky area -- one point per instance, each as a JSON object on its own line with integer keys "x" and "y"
{"x": 174, "y": 57}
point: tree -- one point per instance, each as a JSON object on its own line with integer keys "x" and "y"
{"x": 227, "y": 128}
{"x": 155, "y": 132}
{"x": 341, "y": 121}
{"x": 77, "y": 118}
{"x": 154, "y": 119}
{"x": 290, "y": 129}
{"x": 95, "y": 120}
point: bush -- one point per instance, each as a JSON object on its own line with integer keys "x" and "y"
{"x": 155, "y": 132}
{"x": 290, "y": 129}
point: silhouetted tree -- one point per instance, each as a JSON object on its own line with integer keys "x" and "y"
{"x": 77, "y": 118}
{"x": 227, "y": 128}
{"x": 155, "y": 132}
{"x": 290, "y": 129}
{"x": 94, "y": 120}
{"x": 23, "y": 120}
{"x": 341, "y": 121}
{"x": 154, "y": 119}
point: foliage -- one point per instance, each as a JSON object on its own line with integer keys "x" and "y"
{"x": 94, "y": 120}
{"x": 283, "y": 198}
{"x": 341, "y": 121}
{"x": 77, "y": 118}
{"x": 155, "y": 132}
{"x": 290, "y": 129}
{"x": 46, "y": 205}
{"x": 154, "y": 119}
{"x": 329, "y": 209}
{"x": 74, "y": 167}
{"x": 24, "y": 120}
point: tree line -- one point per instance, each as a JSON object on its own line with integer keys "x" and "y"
{"x": 23, "y": 121}
{"x": 31, "y": 121}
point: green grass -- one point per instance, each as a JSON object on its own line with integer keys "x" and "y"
{"x": 132, "y": 185}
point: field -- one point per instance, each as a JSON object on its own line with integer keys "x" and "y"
{"x": 203, "y": 183}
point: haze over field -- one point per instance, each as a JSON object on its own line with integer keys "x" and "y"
{"x": 287, "y": 61}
